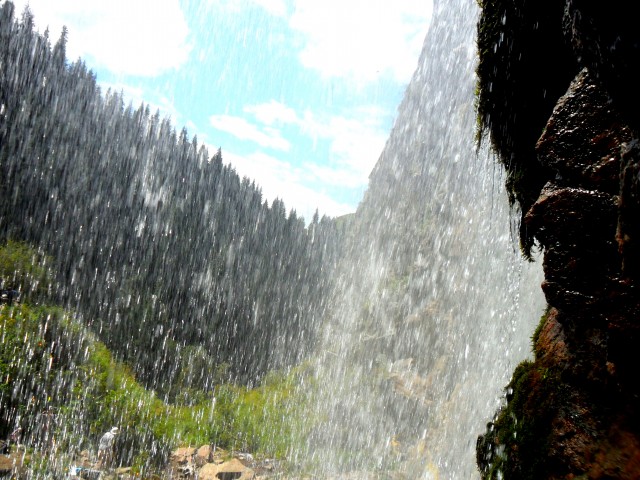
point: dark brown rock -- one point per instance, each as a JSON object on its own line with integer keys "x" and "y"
{"x": 628, "y": 234}
{"x": 564, "y": 418}
{"x": 605, "y": 38}
{"x": 550, "y": 343}
{"x": 572, "y": 216}
{"x": 583, "y": 138}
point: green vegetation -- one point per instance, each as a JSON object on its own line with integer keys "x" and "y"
{"x": 24, "y": 269}
{"x": 515, "y": 444}
{"x": 266, "y": 420}
{"x": 54, "y": 371}
{"x": 538, "y": 330}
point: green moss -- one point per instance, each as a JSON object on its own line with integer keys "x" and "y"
{"x": 515, "y": 444}
{"x": 538, "y": 330}
{"x": 519, "y": 43}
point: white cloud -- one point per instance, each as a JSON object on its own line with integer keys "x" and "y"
{"x": 272, "y": 112}
{"x": 279, "y": 179}
{"x": 240, "y": 128}
{"x": 362, "y": 39}
{"x": 355, "y": 145}
{"x": 277, "y": 8}
{"x": 274, "y": 7}
{"x": 356, "y": 39}
{"x": 140, "y": 37}
{"x": 337, "y": 176}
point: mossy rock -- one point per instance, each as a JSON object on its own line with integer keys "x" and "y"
{"x": 525, "y": 65}
{"x": 516, "y": 443}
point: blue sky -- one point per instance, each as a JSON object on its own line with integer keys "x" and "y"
{"x": 299, "y": 94}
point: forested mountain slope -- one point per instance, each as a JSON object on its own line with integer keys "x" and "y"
{"x": 161, "y": 247}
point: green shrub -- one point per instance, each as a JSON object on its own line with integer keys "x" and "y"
{"x": 24, "y": 268}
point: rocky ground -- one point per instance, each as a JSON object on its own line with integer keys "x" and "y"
{"x": 207, "y": 463}
{"x": 187, "y": 463}
{"x": 203, "y": 463}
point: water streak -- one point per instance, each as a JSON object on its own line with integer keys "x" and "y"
{"x": 434, "y": 306}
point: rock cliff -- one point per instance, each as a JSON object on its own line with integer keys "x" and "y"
{"x": 572, "y": 412}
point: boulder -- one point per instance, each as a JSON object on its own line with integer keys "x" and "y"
{"x": 14, "y": 464}
{"x": 233, "y": 469}
{"x": 182, "y": 455}
{"x": 6, "y": 464}
{"x": 203, "y": 455}
{"x": 84, "y": 459}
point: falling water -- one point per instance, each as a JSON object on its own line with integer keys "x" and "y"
{"x": 164, "y": 254}
{"x": 433, "y": 305}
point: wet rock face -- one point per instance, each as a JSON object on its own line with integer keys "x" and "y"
{"x": 525, "y": 64}
{"x": 605, "y": 38}
{"x": 582, "y": 140}
{"x": 628, "y": 234}
{"x": 576, "y": 226}
{"x": 574, "y": 411}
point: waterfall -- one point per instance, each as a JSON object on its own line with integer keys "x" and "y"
{"x": 159, "y": 288}
{"x": 433, "y": 304}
